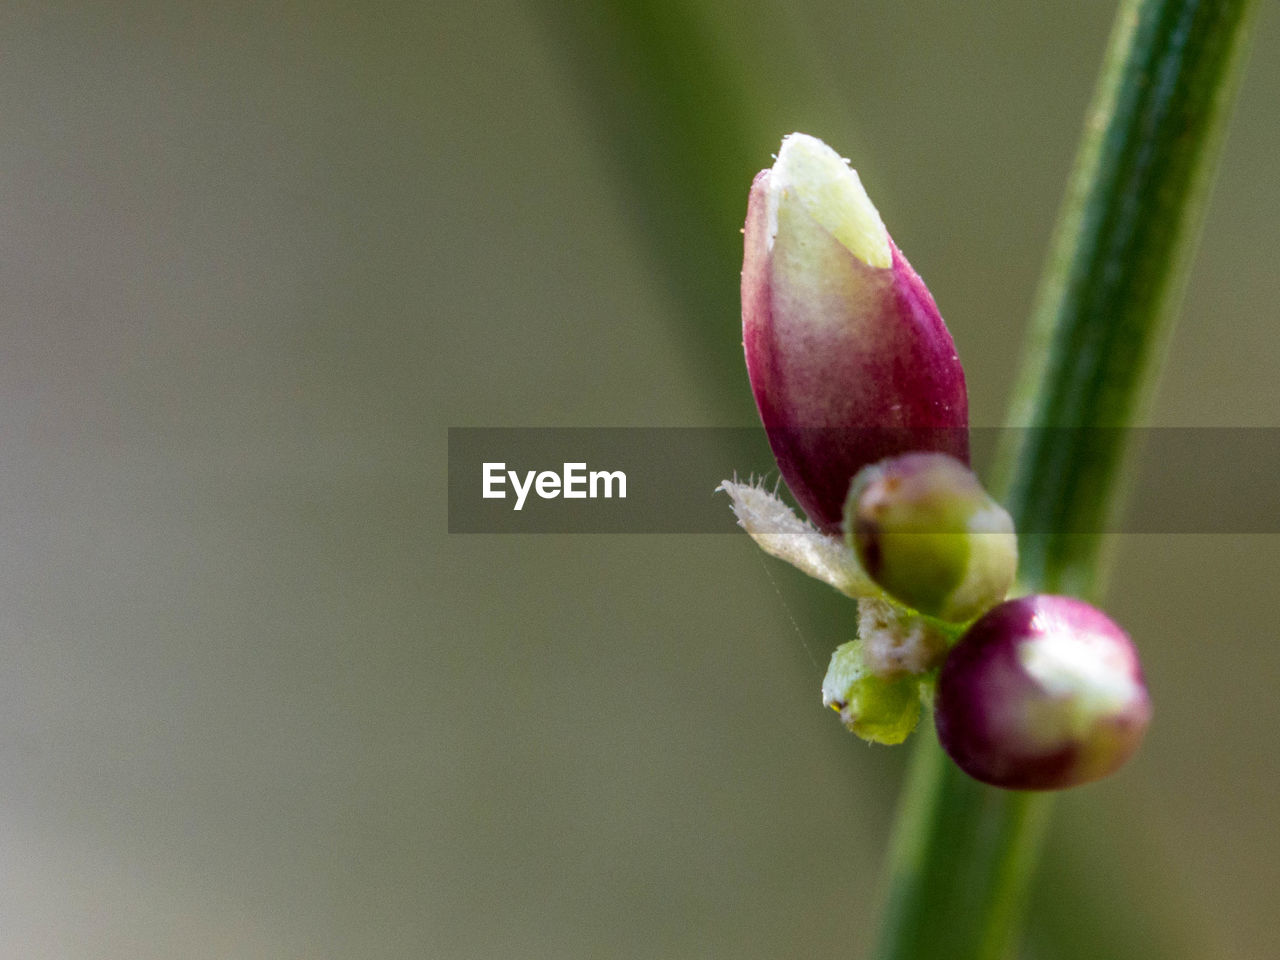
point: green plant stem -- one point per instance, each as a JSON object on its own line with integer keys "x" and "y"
{"x": 964, "y": 853}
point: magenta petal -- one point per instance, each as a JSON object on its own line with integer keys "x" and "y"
{"x": 849, "y": 362}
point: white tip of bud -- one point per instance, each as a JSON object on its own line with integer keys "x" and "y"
{"x": 1085, "y": 677}
{"x": 817, "y": 179}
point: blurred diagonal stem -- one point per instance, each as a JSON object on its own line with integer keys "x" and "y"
{"x": 963, "y": 853}
{"x": 681, "y": 123}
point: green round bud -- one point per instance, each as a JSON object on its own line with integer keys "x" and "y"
{"x": 878, "y": 708}
{"x": 926, "y": 531}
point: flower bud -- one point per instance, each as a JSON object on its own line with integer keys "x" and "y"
{"x": 925, "y": 530}
{"x": 878, "y": 708}
{"x": 848, "y": 357}
{"x": 1042, "y": 693}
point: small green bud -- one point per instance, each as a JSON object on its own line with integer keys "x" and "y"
{"x": 927, "y": 532}
{"x": 880, "y": 709}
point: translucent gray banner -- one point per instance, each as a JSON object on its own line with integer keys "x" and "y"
{"x": 663, "y": 479}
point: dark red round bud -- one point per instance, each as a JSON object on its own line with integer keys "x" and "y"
{"x": 1042, "y": 693}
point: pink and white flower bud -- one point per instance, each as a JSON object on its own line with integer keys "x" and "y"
{"x": 848, "y": 357}
{"x": 1042, "y": 693}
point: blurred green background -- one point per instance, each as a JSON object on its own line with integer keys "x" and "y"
{"x": 256, "y": 258}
